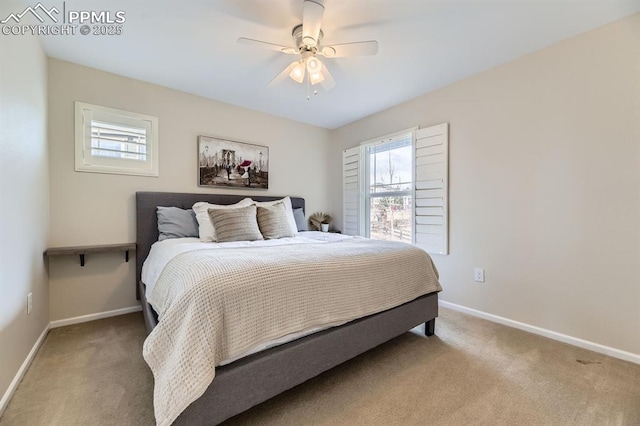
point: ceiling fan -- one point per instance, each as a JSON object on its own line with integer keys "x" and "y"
{"x": 308, "y": 44}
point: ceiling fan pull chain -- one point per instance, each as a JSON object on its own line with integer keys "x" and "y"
{"x": 308, "y": 86}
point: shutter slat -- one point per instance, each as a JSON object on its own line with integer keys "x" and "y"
{"x": 430, "y": 184}
{"x": 431, "y": 175}
{"x": 100, "y": 137}
{"x": 425, "y": 220}
{"x": 351, "y": 205}
{"x": 430, "y": 229}
{"x": 430, "y": 193}
{"x": 129, "y": 131}
{"x": 430, "y": 150}
{"x": 430, "y": 220}
{"x": 429, "y": 168}
{"x": 124, "y": 151}
{"x": 431, "y": 211}
{"x": 429, "y": 202}
{"x": 426, "y": 142}
{"x": 430, "y": 159}
{"x": 350, "y": 186}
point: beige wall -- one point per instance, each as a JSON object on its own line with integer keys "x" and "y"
{"x": 24, "y": 197}
{"x": 91, "y": 208}
{"x": 544, "y": 185}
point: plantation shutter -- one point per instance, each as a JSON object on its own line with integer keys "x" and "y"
{"x": 351, "y": 191}
{"x": 118, "y": 141}
{"x": 109, "y": 140}
{"x": 431, "y": 198}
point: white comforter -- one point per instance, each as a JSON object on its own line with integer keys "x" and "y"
{"x": 216, "y": 304}
{"x": 163, "y": 251}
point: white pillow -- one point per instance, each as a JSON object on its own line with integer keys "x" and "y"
{"x": 288, "y": 209}
{"x": 205, "y": 227}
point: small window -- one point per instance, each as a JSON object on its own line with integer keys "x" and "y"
{"x": 115, "y": 141}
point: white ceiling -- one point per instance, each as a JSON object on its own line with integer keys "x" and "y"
{"x": 423, "y": 45}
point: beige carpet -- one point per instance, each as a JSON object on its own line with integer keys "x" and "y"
{"x": 473, "y": 372}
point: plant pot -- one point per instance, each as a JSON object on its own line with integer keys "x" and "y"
{"x": 324, "y": 227}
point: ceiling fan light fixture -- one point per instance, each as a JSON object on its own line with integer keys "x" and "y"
{"x": 313, "y": 65}
{"x": 316, "y": 78}
{"x": 297, "y": 73}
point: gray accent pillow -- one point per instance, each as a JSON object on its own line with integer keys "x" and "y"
{"x": 238, "y": 224}
{"x": 301, "y": 222}
{"x": 174, "y": 222}
{"x": 274, "y": 222}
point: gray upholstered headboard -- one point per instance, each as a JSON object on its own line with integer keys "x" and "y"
{"x": 147, "y": 220}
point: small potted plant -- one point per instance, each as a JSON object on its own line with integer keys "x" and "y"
{"x": 320, "y": 221}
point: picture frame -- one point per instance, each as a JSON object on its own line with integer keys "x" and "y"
{"x": 224, "y": 163}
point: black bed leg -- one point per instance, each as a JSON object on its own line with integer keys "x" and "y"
{"x": 430, "y": 327}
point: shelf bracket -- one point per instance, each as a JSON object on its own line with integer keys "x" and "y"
{"x": 126, "y": 256}
{"x": 82, "y": 260}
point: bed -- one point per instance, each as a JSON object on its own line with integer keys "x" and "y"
{"x": 248, "y": 381}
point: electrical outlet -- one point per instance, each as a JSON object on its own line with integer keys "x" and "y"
{"x": 478, "y": 275}
{"x": 29, "y": 302}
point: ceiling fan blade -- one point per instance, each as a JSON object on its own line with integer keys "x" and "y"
{"x": 283, "y": 75}
{"x": 311, "y": 22}
{"x": 359, "y": 48}
{"x": 266, "y": 45}
{"x": 328, "y": 83}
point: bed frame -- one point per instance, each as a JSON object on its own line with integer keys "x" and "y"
{"x": 254, "y": 379}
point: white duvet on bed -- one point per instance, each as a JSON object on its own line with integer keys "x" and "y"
{"x": 163, "y": 251}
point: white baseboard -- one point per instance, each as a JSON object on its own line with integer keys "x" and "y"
{"x": 23, "y": 369}
{"x": 92, "y": 317}
{"x": 584, "y": 344}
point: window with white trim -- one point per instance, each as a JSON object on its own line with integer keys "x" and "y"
{"x": 109, "y": 140}
{"x": 396, "y": 188}
{"x": 388, "y": 189}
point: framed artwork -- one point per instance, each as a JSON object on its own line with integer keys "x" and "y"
{"x": 230, "y": 164}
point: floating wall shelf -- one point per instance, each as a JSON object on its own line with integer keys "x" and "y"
{"x": 82, "y": 250}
